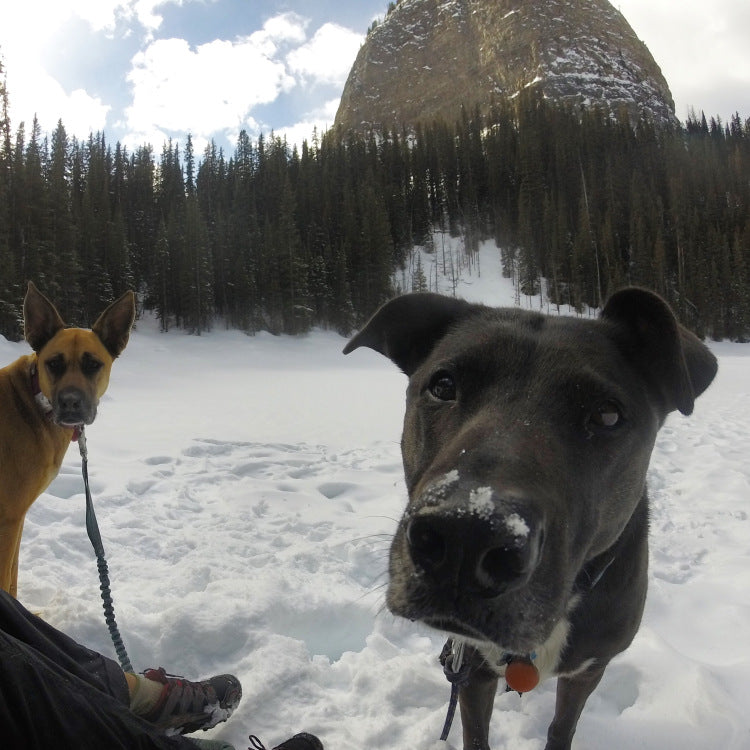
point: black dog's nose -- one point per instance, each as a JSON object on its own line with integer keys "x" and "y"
{"x": 72, "y": 407}
{"x": 70, "y": 400}
{"x": 486, "y": 556}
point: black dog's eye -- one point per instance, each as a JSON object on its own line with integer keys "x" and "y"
{"x": 55, "y": 366}
{"x": 90, "y": 365}
{"x": 443, "y": 386}
{"x": 607, "y": 415}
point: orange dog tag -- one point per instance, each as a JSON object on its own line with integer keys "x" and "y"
{"x": 521, "y": 676}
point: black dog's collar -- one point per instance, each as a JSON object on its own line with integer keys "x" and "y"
{"x": 593, "y": 571}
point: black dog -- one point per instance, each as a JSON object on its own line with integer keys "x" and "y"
{"x": 526, "y": 444}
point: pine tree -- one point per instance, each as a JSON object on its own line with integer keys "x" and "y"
{"x": 160, "y": 286}
{"x": 10, "y": 291}
{"x": 244, "y": 238}
{"x": 65, "y": 270}
{"x": 419, "y": 281}
{"x": 196, "y": 283}
{"x": 141, "y": 218}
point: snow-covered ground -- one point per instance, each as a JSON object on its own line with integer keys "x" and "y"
{"x": 247, "y": 488}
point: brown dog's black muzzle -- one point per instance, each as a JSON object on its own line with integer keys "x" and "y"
{"x": 73, "y": 407}
{"x": 482, "y": 553}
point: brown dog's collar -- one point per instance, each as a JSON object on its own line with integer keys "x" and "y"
{"x": 41, "y": 400}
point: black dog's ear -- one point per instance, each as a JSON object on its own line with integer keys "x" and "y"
{"x": 114, "y": 324}
{"x": 679, "y": 365}
{"x": 407, "y": 328}
{"x": 41, "y": 321}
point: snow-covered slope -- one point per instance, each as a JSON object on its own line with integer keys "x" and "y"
{"x": 247, "y": 488}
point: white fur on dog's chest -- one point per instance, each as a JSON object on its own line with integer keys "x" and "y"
{"x": 546, "y": 655}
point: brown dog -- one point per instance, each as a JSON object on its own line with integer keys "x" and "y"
{"x": 45, "y": 397}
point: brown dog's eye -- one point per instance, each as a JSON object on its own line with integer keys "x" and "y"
{"x": 55, "y": 366}
{"x": 607, "y": 415}
{"x": 90, "y": 365}
{"x": 443, "y": 386}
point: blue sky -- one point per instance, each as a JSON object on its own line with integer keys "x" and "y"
{"x": 146, "y": 70}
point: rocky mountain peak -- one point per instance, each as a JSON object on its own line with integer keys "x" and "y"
{"x": 430, "y": 57}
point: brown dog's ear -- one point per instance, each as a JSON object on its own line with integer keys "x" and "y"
{"x": 114, "y": 324}
{"x": 407, "y": 328}
{"x": 679, "y": 365}
{"x": 41, "y": 321}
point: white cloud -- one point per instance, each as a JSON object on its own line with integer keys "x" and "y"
{"x": 287, "y": 27}
{"x": 34, "y": 92}
{"x": 99, "y": 14}
{"x": 144, "y": 11}
{"x": 102, "y": 15}
{"x": 82, "y": 113}
{"x": 701, "y": 49}
{"x": 328, "y": 56}
{"x": 321, "y": 118}
{"x": 212, "y": 87}
{"x": 43, "y": 17}
{"x": 30, "y": 31}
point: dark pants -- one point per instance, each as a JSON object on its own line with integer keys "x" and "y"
{"x": 55, "y": 693}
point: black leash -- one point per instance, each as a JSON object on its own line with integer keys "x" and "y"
{"x": 92, "y": 529}
{"x": 451, "y": 712}
{"x": 457, "y": 673}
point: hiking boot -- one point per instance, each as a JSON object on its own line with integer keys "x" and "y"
{"x": 210, "y": 744}
{"x": 186, "y": 706}
{"x": 301, "y": 741}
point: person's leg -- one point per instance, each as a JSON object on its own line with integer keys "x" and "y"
{"x": 54, "y": 692}
{"x": 43, "y": 705}
{"x": 89, "y": 666}
{"x": 169, "y": 703}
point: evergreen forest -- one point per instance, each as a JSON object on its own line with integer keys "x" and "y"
{"x": 283, "y": 239}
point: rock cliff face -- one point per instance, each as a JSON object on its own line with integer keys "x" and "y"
{"x": 429, "y": 57}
